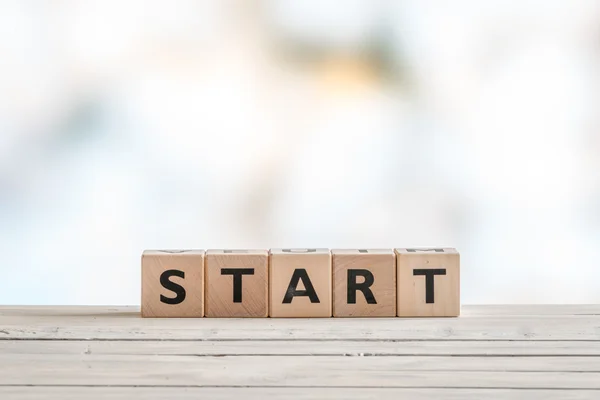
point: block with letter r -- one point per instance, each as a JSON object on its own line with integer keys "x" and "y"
{"x": 364, "y": 283}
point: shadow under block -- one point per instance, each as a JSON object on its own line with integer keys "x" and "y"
{"x": 428, "y": 282}
{"x": 173, "y": 283}
{"x": 236, "y": 283}
{"x": 364, "y": 283}
{"x": 300, "y": 283}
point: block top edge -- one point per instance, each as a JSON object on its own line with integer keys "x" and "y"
{"x": 174, "y": 252}
{"x": 362, "y": 251}
{"x": 299, "y": 251}
{"x": 238, "y": 252}
{"x": 426, "y": 250}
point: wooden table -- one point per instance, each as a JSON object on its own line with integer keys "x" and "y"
{"x": 491, "y": 352}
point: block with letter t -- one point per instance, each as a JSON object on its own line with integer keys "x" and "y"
{"x": 428, "y": 282}
{"x": 236, "y": 283}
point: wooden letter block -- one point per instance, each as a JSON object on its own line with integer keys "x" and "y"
{"x": 237, "y": 283}
{"x": 428, "y": 282}
{"x": 173, "y": 283}
{"x": 364, "y": 283}
{"x": 300, "y": 283}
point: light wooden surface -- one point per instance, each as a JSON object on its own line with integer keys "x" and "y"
{"x": 490, "y": 352}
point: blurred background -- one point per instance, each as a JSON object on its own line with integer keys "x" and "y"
{"x": 127, "y": 125}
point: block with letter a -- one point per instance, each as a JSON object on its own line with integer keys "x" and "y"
{"x": 300, "y": 283}
{"x": 428, "y": 282}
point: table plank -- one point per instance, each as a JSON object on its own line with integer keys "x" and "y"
{"x": 305, "y": 348}
{"x": 290, "y": 371}
{"x": 162, "y": 393}
{"x": 124, "y": 323}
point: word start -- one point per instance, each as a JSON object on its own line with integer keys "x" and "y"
{"x": 308, "y": 283}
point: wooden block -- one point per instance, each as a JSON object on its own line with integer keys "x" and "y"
{"x": 428, "y": 282}
{"x": 300, "y": 283}
{"x": 364, "y": 283}
{"x": 173, "y": 283}
{"x": 237, "y": 283}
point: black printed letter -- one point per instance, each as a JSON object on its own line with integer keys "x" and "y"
{"x": 429, "y": 274}
{"x": 353, "y": 286}
{"x": 172, "y": 286}
{"x": 237, "y": 280}
{"x": 309, "y": 289}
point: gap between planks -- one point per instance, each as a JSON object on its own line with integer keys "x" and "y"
{"x": 292, "y": 387}
{"x": 276, "y": 340}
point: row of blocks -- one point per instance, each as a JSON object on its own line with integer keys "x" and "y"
{"x": 404, "y": 282}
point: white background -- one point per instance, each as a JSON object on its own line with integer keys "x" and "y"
{"x": 231, "y": 124}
